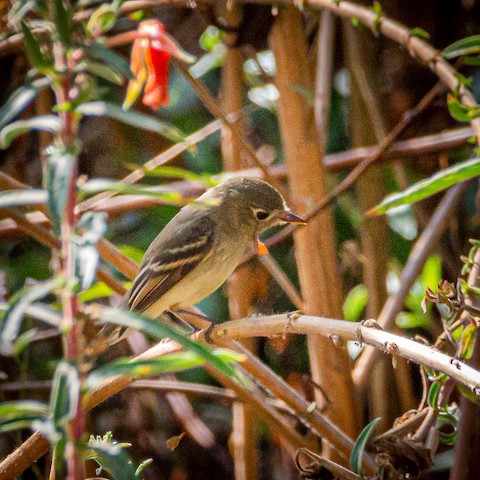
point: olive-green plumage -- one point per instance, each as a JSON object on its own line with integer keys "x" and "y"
{"x": 201, "y": 246}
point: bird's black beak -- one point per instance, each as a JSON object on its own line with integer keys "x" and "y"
{"x": 290, "y": 217}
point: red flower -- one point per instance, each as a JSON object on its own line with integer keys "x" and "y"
{"x": 149, "y": 64}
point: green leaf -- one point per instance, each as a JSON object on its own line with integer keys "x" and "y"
{"x": 103, "y": 71}
{"x": 19, "y": 9}
{"x": 440, "y": 181}
{"x": 174, "y": 362}
{"x": 92, "y": 226}
{"x": 11, "y": 320}
{"x": 412, "y": 320}
{"x": 96, "y": 291}
{"x": 32, "y": 49}
{"x": 29, "y": 196}
{"x": 465, "y": 46}
{"x": 65, "y": 395}
{"x": 110, "y": 57}
{"x": 40, "y": 312}
{"x": 402, "y": 221}
{"x": 420, "y": 33}
{"x": 134, "y": 119}
{"x": 115, "y": 460}
{"x": 102, "y": 20}
{"x": 433, "y": 394}
{"x": 20, "y": 99}
{"x": 167, "y": 171}
{"x": 58, "y": 179}
{"x": 20, "y": 414}
{"x": 210, "y": 38}
{"x": 358, "y": 449}
{"x": 98, "y": 185}
{"x": 62, "y": 17}
{"x": 446, "y": 419}
{"x": 355, "y": 303}
{"x": 48, "y": 123}
{"x": 160, "y": 330}
{"x": 461, "y": 112}
{"x": 265, "y": 96}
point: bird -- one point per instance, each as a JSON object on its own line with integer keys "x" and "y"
{"x": 203, "y": 244}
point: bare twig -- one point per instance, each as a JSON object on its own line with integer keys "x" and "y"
{"x": 382, "y": 341}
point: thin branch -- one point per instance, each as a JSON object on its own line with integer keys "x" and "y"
{"x": 351, "y": 178}
{"x": 404, "y": 149}
{"x": 419, "y": 254}
{"x": 211, "y": 104}
{"x": 278, "y": 325}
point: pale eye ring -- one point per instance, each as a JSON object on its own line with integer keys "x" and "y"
{"x": 261, "y": 214}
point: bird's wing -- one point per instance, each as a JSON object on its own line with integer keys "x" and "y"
{"x": 177, "y": 250}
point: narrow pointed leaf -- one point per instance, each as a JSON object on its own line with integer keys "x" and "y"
{"x": 58, "y": 178}
{"x": 174, "y": 362}
{"x": 98, "y": 185}
{"x": 62, "y": 17}
{"x": 434, "y": 184}
{"x": 356, "y": 457}
{"x": 11, "y": 320}
{"x": 48, "y": 123}
{"x": 40, "y": 312}
{"x": 20, "y": 99}
{"x": 110, "y": 57}
{"x": 465, "y": 46}
{"x": 20, "y": 414}
{"x": 160, "y": 330}
{"x": 93, "y": 226}
{"x": 30, "y": 196}
{"x": 355, "y": 303}
{"x": 65, "y": 394}
{"x": 32, "y": 49}
{"x": 134, "y": 119}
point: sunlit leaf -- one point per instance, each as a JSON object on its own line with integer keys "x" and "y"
{"x": 34, "y": 53}
{"x": 48, "y": 123}
{"x": 160, "y": 330}
{"x": 461, "y": 112}
{"x": 102, "y": 20}
{"x": 402, "y": 221}
{"x": 355, "y": 303}
{"x": 11, "y": 320}
{"x": 29, "y": 196}
{"x": 20, "y": 414}
{"x": 134, "y": 119}
{"x": 92, "y": 226}
{"x": 40, "y": 312}
{"x": 265, "y": 96}
{"x": 428, "y": 187}
{"x": 115, "y": 460}
{"x": 358, "y": 450}
{"x": 20, "y": 99}
{"x": 420, "y": 33}
{"x": 411, "y": 320}
{"x": 465, "y": 46}
{"x": 58, "y": 177}
{"x": 98, "y": 185}
{"x": 19, "y": 9}
{"x": 174, "y": 362}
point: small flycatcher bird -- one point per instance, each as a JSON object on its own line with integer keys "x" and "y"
{"x": 203, "y": 244}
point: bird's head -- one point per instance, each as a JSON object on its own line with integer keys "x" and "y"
{"x": 254, "y": 203}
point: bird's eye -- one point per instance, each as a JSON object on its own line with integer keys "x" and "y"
{"x": 262, "y": 215}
